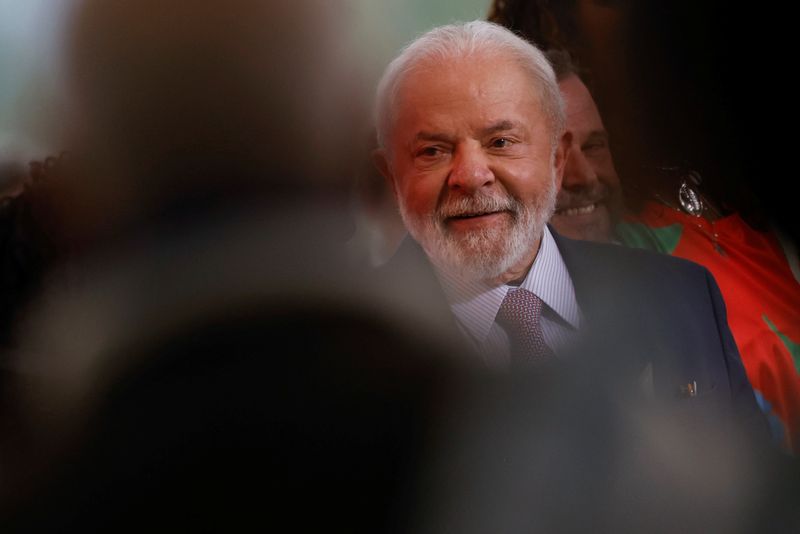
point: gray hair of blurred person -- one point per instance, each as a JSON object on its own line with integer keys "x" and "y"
{"x": 240, "y": 98}
{"x": 459, "y": 41}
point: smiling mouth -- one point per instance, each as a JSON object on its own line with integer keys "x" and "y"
{"x": 472, "y": 215}
{"x": 581, "y": 210}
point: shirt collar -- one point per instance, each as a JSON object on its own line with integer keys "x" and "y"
{"x": 549, "y": 280}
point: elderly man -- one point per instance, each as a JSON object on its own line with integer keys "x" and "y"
{"x": 471, "y": 130}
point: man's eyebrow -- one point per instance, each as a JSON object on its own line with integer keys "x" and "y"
{"x": 433, "y": 136}
{"x": 597, "y": 135}
{"x": 499, "y": 126}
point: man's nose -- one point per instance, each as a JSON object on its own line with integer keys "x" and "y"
{"x": 578, "y": 171}
{"x": 470, "y": 170}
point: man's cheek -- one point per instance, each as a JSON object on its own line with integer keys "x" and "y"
{"x": 421, "y": 199}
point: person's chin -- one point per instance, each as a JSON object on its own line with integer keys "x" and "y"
{"x": 460, "y": 226}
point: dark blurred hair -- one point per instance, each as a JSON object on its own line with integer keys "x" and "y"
{"x": 561, "y": 60}
{"x": 547, "y": 24}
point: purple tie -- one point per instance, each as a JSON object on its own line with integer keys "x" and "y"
{"x": 519, "y": 316}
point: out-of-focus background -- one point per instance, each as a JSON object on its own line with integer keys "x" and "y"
{"x": 29, "y": 89}
{"x": 30, "y": 33}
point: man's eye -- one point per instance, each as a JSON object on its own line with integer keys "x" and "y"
{"x": 593, "y": 148}
{"x": 429, "y": 152}
{"x": 501, "y": 142}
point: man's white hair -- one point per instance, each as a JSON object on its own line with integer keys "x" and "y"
{"x": 460, "y": 41}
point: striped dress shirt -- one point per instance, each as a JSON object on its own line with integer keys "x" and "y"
{"x": 475, "y": 305}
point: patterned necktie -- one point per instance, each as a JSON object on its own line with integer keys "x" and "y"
{"x": 519, "y": 316}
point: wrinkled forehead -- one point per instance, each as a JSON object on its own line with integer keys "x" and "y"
{"x": 479, "y": 78}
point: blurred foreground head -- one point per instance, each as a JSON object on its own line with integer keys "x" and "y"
{"x": 235, "y": 370}
{"x": 180, "y": 104}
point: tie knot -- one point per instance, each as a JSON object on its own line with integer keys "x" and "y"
{"x": 520, "y": 315}
{"x": 520, "y": 305}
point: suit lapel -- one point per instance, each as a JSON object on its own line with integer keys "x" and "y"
{"x": 616, "y": 336}
{"x": 583, "y": 266}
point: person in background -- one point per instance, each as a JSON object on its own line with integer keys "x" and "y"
{"x": 708, "y": 214}
{"x": 589, "y": 203}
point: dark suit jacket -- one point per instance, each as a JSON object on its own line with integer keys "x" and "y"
{"x": 610, "y": 438}
{"x": 654, "y": 324}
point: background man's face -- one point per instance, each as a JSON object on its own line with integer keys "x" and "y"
{"x": 471, "y": 162}
{"x": 589, "y": 200}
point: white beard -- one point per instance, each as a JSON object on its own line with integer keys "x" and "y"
{"x": 486, "y": 253}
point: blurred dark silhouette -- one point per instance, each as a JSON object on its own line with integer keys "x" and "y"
{"x": 217, "y": 363}
{"x": 379, "y": 226}
{"x": 568, "y": 452}
{"x": 31, "y": 246}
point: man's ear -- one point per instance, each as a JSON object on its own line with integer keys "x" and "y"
{"x": 381, "y": 160}
{"x": 560, "y": 156}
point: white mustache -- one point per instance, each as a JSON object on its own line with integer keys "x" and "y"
{"x": 475, "y": 205}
